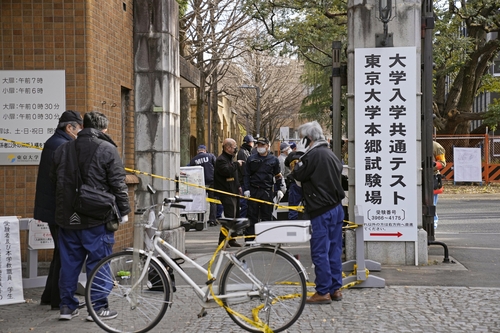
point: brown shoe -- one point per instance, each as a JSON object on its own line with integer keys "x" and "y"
{"x": 337, "y": 295}
{"x": 319, "y": 299}
{"x": 233, "y": 243}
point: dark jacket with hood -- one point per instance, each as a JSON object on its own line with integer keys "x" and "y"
{"x": 243, "y": 154}
{"x": 100, "y": 166}
{"x": 45, "y": 197}
{"x": 319, "y": 172}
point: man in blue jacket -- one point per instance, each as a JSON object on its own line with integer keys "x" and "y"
{"x": 319, "y": 172}
{"x": 70, "y": 123}
{"x": 262, "y": 174}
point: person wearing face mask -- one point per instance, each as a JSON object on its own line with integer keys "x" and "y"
{"x": 319, "y": 172}
{"x": 226, "y": 179}
{"x": 243, "y": 154}
{"x": 70, "y": 123}
{"x": 262, "y": 174}
{"x": 284, "y": 151}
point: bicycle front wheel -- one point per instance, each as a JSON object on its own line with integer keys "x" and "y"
{"x": 109, "y": 287}
{"x": 265, "y": 286}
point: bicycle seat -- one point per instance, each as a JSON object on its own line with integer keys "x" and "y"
{"x": 235, "y": 224}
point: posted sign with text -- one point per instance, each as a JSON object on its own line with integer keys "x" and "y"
{"x": 32, "y": 102}
{"x": 385, "y": 132}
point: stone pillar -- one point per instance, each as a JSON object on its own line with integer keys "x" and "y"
{"x": 157, "y": 103}
{"x": 363, "y": 25}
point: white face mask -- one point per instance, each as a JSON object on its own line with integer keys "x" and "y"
{"x": 261, "y": 150}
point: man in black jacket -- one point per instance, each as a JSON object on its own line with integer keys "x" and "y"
{"x": 319, "y": 172}
{"x": 243, "y": 154}
{"x": 226, "y": 179}
{"x": 70, "y": 123}
{"x": 82, "y": 237}
{"x": 262, "y": 174}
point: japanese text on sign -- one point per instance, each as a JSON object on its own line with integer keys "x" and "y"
{"x": 386, "y": 118}
{"x": 11, "y": 285}
{"x": 31, "y": 104}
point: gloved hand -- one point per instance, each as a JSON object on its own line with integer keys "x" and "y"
{"x": 247, "y": 193}
{"x": 279, "y": 195}
{"x": 124, "y": 219}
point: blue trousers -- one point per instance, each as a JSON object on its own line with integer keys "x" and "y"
{"x": 294, "y": 199}
{"x": 436, "y": 217}
{"x": 326, "y": 250}
{"x": 75, "y": 247}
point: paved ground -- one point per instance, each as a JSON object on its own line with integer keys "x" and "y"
{"x": 434, "y": 298}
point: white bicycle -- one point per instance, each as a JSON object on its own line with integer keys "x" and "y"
{"x": 262, "y": 288}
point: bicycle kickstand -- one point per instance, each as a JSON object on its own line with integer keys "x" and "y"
{"x": 202, "y": 313}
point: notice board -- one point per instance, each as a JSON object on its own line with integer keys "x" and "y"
{"x": 193, "y": 175}
{"x": 467, "y": 164}
{"x": 11, "y": 281}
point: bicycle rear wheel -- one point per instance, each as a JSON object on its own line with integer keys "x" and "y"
{"x": 140, "y": 309}
{"x": 279, "y": 300}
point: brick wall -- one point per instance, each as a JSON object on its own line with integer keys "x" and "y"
{"x": 92, "y": 42}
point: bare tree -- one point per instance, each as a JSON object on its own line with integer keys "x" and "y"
{"x": 212, "y": 32}
{"x": 280, "y": 88}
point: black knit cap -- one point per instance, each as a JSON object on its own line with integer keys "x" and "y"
{"x": 71, "y": 115}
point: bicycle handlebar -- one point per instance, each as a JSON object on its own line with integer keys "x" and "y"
{"x": 175, "y": 200}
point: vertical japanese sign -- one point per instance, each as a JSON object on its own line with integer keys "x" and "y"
{"x": 31, "y": 104}
{"x": 386, "y": 153}
{"x": 11, "y": 282}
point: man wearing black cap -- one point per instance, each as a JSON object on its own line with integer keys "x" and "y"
{"x": 70, "y": 123}
{"x": 262, "y": 174}
{"x": 243, "y": 154}
{"x": 207, "y": 161}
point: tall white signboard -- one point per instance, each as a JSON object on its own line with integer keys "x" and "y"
{"x": 31, "y": 104}
{"x": 385, "y": 132}
{"x": 11, "y": 282}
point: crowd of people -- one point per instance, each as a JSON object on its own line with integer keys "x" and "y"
{"x": 248, "y": 181}
{"x": 253, "y": 179}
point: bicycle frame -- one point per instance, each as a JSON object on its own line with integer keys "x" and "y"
{"x": 203, "y": 293}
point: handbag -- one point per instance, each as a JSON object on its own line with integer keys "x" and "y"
{"x": 93, "y": 202}
{"x": 438, "y": 181}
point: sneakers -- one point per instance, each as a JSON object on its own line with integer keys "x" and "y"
{"x": 67, "y": 314}
{"x": 104, "y": 314}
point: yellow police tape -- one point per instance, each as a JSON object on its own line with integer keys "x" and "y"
{"x": 255, "y": 321}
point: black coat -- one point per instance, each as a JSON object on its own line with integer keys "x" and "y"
{"x": 103, "y": 170}
{"x": 226, "y": 174}
{"x": 45, "y": 197}
{"x": 243, "y": 154}
{"x": 319, "y": 171}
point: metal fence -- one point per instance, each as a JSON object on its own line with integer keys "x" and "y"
{"x": 490, "y": 154}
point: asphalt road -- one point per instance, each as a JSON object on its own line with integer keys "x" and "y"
{"x": 469, "y": 225}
